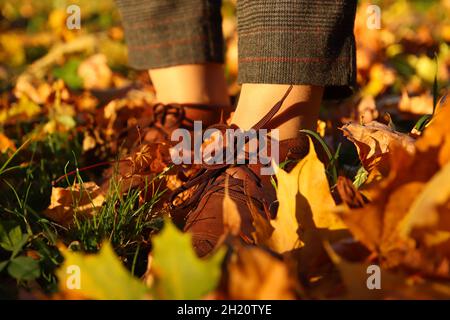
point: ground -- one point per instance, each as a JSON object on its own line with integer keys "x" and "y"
{"x": 82, "y": 193}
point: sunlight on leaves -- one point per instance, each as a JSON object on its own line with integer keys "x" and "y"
{"x": 179, "y": 273}
{"x": 100, "y": 276}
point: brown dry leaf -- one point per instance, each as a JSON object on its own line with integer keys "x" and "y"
{"x": 36, "y": 91}
{"x": 87, "y": 102}
{"x": 406, "y": 223}
{"x": 422, "y": 104}
{"x": 367, "y": 109}
{"x": 381, "y": 77}
{"x": 84, "y": 200}
{"x": 255, "y": 274}
{"x": 376, "y": 224}
{"x": 305, "y": 203}
{"x": 118, "y": 122}
{"x": 150, "y": 158}
{"x": 372, "y": 142}
{"x": 429, "y": 214}
{"x": 6, "y": 144}
{"x": 89, "y": 142}
{"x": 144, "y": 163}
{"x": 367, "y": 223}
{"x": 436, "y": 138}
{"x": 263, "y": 228}
{"x": 393, "y": 285}
{"x": 371, "y": 47}
{"x": 348, "y": 193}
{"x": 95, "y": 72}
{"x": 355, "y": 276}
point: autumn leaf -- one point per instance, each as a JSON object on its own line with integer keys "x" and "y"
{"x": 359, "y": 277}
{"x": 82, "y": 200}
{"x": 305, "y": 203}
{"x": 422, "y": 104}
{"x": 100, "y": 276}
{"x": 314, "y": 188}
{"x": 142, "y": 165}
{"x": 22, "y": 109}
{"x": 367, "y": 109}
{"x": 429, "y": 212}
{"x": 12, "y": 49}
{"x": 255, "y": 274}
{"x": 95, "y": 72}
{"x": 6, "y": 144}
{"x": 372, "y": 140}
{"x": 178, "y": 272}
{"x": 285, "y": 226}
{"x": 365, "y": 280}
{"x": 27, "y": 86}
{"x": 436, "y": 137}
{"x": 375, "y": 224}
{"x": 349, "y": 194}
{"x": 381, "y": 77}
{"x": 263, "y": 227}
{"x": 413, "y": 193}
{"x": 424, "y": 65}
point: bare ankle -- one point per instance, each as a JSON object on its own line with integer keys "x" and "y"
{"x": 203, "y": 84}
{"x": 299, "y": 111}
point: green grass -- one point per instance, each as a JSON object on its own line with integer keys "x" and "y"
{"x": 121, "y": 220}
{"x": 25, "y": 188}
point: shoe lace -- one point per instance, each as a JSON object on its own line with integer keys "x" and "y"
{"x": 206, "y": 178}
{"x": 162, "y": 111}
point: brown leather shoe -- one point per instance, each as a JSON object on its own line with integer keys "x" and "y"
{"x": 202, "y": 214}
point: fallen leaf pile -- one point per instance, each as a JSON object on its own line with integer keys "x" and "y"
{"x": 404, "y": 225}
{"x": 86, "y": 176}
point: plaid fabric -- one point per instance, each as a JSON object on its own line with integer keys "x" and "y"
{"x": 161, "y": 33}
{"x": 297, "y": 42}
{"x": 280, "y": 41}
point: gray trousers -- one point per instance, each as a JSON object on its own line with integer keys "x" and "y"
{"x": 280, "y": 41}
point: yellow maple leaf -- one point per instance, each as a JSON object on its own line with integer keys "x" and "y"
{"x": 98, "y": 276}
{"x": 305, "y": 203}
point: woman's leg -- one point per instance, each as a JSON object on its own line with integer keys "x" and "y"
{"x": 308, "y": 43}
{"x": 180, "y": 43}
{"x": 299, "y": 111}
{"x": 191, "y": 83}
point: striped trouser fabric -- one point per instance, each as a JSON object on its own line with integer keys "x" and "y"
{"x": 280, "y": 41}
